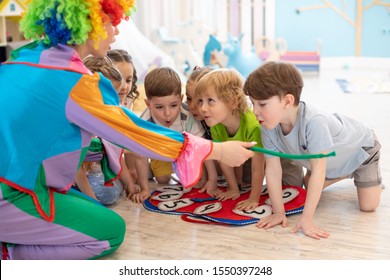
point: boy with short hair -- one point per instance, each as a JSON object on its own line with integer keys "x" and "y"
{"x": 164, "y": 107}
{"x": 291, "y": 126}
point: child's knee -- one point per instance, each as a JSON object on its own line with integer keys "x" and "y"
{"x": 163, "y": 179}
{"x": 368, "y": 206}
{"x": 369, "y": 198}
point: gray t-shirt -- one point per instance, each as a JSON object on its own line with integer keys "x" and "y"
{"x": 316, "y": 131}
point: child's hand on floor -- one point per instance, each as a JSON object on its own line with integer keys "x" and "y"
{"x": 141, "y": 196}
{"x": 248, "y": 204}
{"x": 229, "y": 194}
{"x": 210, "y": 188}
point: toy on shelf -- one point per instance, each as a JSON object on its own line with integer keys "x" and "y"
{"x": 212, "y": 45}
{"x": 269, "y": 50}
{"x": 244, "y": 63}
{"x": 10, "y": 36}
{"x": 306, "y": 61}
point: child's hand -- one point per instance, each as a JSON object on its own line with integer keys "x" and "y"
{"x": 272, "y": 220}
{"x": 229, "y": 194}
{"x": 141, "y": 196}
{"x": 130, "y": 189}
{"x": 309, "y": 229}
{"x": 248, "y": 204}
{"x": 210, "y": 188}
{"x": 201, "y": 184}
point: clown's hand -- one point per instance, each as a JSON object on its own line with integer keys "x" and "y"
{"x": 233, "y": 153}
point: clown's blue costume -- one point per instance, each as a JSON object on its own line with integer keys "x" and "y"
{"x": 50, "y": 106}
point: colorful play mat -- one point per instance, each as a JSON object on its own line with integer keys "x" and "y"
{"x": 197, "y": 207}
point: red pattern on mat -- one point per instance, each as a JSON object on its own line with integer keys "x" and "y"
{"x": 225, "y": 215}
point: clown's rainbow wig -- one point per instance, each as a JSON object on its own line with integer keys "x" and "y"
{"x": 72, "y": 21}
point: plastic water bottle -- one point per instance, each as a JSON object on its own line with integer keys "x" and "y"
{"x": 105, "y": 194}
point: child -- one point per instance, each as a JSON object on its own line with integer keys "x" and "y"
{"x": 165, "y": 108}
{"x": 224, "y": 107}
{"x": 89, "y": 178}
{"x": 193, "y": 79}
{"x": 209, "y": 178}
{"x": 127, "y": 95}
{"x": 124, "y": 63}
{"x": 291, "y": 126}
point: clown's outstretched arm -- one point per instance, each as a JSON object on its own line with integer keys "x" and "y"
{"x": 94, "y": 108}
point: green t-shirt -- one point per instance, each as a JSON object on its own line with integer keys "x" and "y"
{"x": 248, "y": 131}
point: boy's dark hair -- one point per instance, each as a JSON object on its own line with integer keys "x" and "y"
{"x": 274, "y": 79}
{"x": 119, "y": 55}
{"x": 162, "y": 82}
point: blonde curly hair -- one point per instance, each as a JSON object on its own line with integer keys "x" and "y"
{"x": 228, "y": 84}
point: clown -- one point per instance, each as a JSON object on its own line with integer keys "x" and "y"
{"x": 50, "y": 107}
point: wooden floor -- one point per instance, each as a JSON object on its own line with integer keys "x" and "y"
{"x": 354, "y": 234}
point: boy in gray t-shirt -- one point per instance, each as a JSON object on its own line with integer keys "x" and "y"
{"x": 291, "y": 126}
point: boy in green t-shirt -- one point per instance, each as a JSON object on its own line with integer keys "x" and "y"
{"x": 225, "y": 108}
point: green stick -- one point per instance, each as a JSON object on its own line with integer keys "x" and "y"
{"x": 291, "y": 156}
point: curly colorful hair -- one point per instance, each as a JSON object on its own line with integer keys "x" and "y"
{"x": 72, "y": 21}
